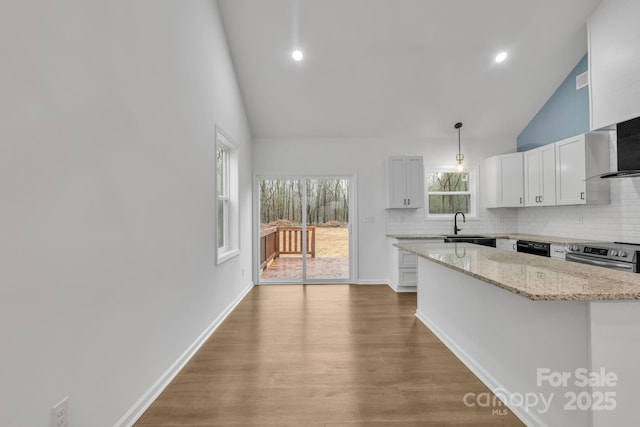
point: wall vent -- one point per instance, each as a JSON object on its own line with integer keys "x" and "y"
{"x": 582, "y": 80}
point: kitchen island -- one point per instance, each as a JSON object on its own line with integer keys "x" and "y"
{"x": 557, "y": 341}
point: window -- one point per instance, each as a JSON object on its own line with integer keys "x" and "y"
{"x": 449, "y": 191}
{"x": 227, "y": 209}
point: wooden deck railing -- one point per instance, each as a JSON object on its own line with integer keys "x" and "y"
{"x": 268, "y": 246}
{"x": 276, "y": 241}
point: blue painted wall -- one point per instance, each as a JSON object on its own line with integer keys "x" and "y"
{"x": 564, "y": 115}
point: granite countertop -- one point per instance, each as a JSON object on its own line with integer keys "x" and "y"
{"x": 515, "y": 236}
{"x": 531, "y": 276}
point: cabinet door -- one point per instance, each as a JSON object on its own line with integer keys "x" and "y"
{"x": 614, "y": 65}
{"x": 547, "y": 176}
{"x": 510, "y": 180}
{"x": 531, "y": 177}
{"x": 397, "y": 182}
{"x": 407, "y": 259}
{"x": 571, "y": 171}
{"x": 415, "y": 182}
{"x": 506, "y": 244}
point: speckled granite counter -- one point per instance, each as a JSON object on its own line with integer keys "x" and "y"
{"x": 515, "y": 236}
{"x": 534, "y": 277}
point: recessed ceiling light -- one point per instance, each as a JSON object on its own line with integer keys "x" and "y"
{"x": 297, "y": 55}
{"x": 501, "y": 56}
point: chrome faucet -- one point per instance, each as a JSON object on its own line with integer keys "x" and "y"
{"x": 455, "y": 221}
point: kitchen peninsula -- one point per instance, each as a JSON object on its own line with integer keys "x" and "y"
{"x": 533, "y": 328}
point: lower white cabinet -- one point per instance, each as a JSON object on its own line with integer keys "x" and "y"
{"x": 558, "y": 251}
{"x": 507, "y": 244}
{"x": 407, "y": 268}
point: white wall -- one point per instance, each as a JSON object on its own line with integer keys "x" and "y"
{"x": 367, "y": 159}
{"x": 617, "y": 221}
{"x": 106, "y": 169}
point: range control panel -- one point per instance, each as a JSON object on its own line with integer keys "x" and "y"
{"x": 612, "y": 252}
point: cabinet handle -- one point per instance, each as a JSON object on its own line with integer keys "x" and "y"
{"x": 520, "y": 200}
{"x": 409, "y": 202}
{"x": 404, "y": 202}
{"x": 582, "y": 195}
{"x": 540, "y": 199}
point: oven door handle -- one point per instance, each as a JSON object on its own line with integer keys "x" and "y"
{"x": 592, "y": 261}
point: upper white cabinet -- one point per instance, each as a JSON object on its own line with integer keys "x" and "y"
{"x": 540, "y": 176}
{"x": 406, "y": 182}
{"x": 502, "y": 181}
{"x": 614, "y": 63}
{"x": 578, "y": 160}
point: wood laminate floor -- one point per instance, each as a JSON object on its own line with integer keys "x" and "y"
{"x": 323, "y": 355}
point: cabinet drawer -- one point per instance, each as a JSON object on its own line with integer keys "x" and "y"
{"x": 407, "y": 259}
{"x": 408, "y": 277}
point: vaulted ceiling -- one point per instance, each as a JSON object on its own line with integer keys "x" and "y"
{"x": 401, "y": 68}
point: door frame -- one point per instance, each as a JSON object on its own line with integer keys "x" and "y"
{"x": 353, "y": 229}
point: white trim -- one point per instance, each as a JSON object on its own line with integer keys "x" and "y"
{"x": 138, "y": 408}
{"x": 401, "y": 289}
{"x": 393, "y": 286}
{"x": 527, "y": 417}
{"x": 371, "y": 282}
{"x": 227, "y": 255}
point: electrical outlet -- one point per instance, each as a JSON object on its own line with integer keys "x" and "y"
{"x": 60, "y": 413}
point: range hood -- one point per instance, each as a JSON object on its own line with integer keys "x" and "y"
{"x": 628, "y": 150}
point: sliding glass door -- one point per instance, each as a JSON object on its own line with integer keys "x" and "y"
{"x": 304, "y": 230}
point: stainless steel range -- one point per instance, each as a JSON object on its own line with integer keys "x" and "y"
{"x": 617, "y": 255}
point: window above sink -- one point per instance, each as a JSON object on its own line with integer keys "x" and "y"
{"x": 449, "y": 190}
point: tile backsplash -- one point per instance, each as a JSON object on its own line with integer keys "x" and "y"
{"x": 412, "y": 221}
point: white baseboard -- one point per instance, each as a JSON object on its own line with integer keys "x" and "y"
{"x": 136, "y": 411}
{"x": 371, "y": 282}
{"x": 491, "y": 382}
{"x": 399, "y": 289}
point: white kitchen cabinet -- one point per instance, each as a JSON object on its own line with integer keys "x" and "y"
{"x": 558, "y": 251}
{"x": 614, "y": 65}
{"x": 540, "y": 176}
{"x": 507, "y": 244}
{"x": 406, "y": 182}
{"x": 502, "y": 181}
{"x": 407, "y": 268}
{"x": 578, "y": 161}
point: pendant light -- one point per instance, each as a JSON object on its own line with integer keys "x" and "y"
{"x": 459, "y": 156}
